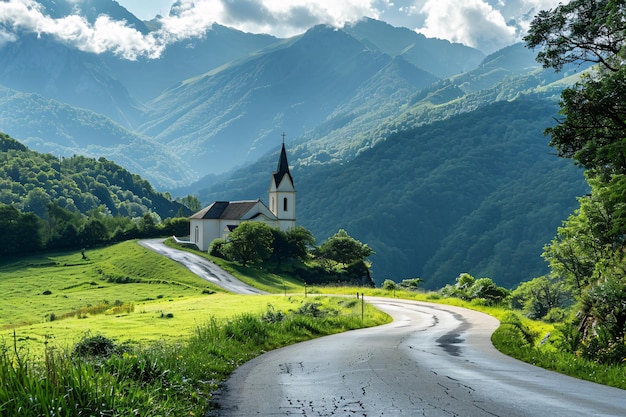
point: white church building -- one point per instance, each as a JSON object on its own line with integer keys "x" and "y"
{"x": 221, "y": 217}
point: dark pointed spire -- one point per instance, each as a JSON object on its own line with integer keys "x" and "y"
{"x": 283, "y": 165}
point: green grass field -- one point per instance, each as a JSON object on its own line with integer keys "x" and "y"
{"x": 173, "y": 336}
{"x": 145, "y": 297}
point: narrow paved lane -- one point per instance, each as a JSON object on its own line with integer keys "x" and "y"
{"x": 431, "y": 361}
{"x": 201, "y": 267}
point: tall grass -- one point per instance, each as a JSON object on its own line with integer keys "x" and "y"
{"x": 162, "y": 379}
{"x": 519, "y": 340}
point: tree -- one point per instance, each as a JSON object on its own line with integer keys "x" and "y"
{"x": 21, "y": 232}
{"x": 540, "y": 295}
{"x": 191, "y": 202}
{"x": 582, "y": 30}
{"x": 300, "y": 242}
{"x": 250, "y": 242}
{"x": 593, "y": 129}
{"x": 344, "y": 249}
{"x": 589, "y": 250}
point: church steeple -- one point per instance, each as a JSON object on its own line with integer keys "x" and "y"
{"x": 282, "y": 193}
{"x": 283, "y": 167}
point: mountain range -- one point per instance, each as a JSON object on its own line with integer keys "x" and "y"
{"x": 429, "y": 151}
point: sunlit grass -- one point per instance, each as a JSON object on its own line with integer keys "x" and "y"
{"x": 33, "y": 288}
{"x": 169, "y": 378}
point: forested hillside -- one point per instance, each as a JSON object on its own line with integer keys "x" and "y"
{"x": 480, "y": 193}
{"x": 31, "y": 180}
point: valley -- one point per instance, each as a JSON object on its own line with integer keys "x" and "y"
{"x": 364, "y": 101}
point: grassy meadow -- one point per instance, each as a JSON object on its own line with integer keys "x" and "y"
{"x": 124, "y": 331}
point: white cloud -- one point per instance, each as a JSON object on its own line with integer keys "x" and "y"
{"x": 472, "y": 22}
{"x": 486, "y": 24}
{"x": 104, "y": 35}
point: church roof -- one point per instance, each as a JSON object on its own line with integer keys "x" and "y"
{"x": 283, "y": 167}
{"x": 229, "y": 210}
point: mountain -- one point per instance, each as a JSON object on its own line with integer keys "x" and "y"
{"x": 480, "y": 192}
{"x": 241, "y": 110}
{"x": 428, "y": 151}
{"x": 437, "y": 56}
{"x": 62, "y": 130}
{"x": 41, "y": 65}
{"x": 146, "y": 78}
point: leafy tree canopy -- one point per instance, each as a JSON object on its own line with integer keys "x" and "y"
{"x": 588, "y": 252}
{"x": 344, "y": 249}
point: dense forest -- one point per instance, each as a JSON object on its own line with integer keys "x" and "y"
{"x": 52, "y": 202}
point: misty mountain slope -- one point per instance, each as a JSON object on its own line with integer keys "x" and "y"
{"x": 241, "y": 111}
{"x": 53, "y": 127}
{"x": 505, "y": 75}
{"x": 480, "y": 192}
{"x": 147, "y": 78}
{"x": 437, "y": 56}
{"x": 44, "y": 66}
{"x": 426, "y": 200}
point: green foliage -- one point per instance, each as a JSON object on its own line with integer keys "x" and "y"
{"x": 588, "y": 252}
{"x": 344, "y": 249}
{"x": 217, "y": 248}
{"x": 482, "y": 290}
{"x": 250, "y": 242}
{"x": 31, "y": 181}
{"x": 94, "y": 346}
{"x": 73, "y": 202}
{"x": 389, "y": 285}
{"x": 411, "y": 283}
{"x": 541, "y": 296}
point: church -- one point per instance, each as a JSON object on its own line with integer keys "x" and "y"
{"x": 222, "y": 217}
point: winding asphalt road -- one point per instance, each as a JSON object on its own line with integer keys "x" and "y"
{"x": 201, "y": 267}
{"x": 431, "y": 361}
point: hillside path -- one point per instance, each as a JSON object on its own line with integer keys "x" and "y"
{"x": 202, "y": 267}
{"x": 433, "y": 361}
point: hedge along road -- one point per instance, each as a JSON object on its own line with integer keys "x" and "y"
{"x": 432, "y": 360}
{"x": 201, "y": 267}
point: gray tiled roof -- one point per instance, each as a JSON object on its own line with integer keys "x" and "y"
{"x": 229, "y": 210}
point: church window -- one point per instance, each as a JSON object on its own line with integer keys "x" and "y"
{"x": 285, "y": 204}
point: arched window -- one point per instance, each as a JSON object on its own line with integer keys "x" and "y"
{"x": 197, "y": 234}
{"x": 285, "y": 204}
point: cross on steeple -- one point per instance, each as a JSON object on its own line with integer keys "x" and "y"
{"x": 283, "y": 135}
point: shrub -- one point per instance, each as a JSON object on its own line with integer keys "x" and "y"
{"x": 217, "y": 248}
{"x": 272, "y": 315}
{"x": 94, "y": 346}
{"x": 555, "y": 315}
{"x": 389, "y": 285}
{"x": 310, "y": 309}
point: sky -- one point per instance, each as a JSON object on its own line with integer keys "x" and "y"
{"x": 487, "y": 25}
